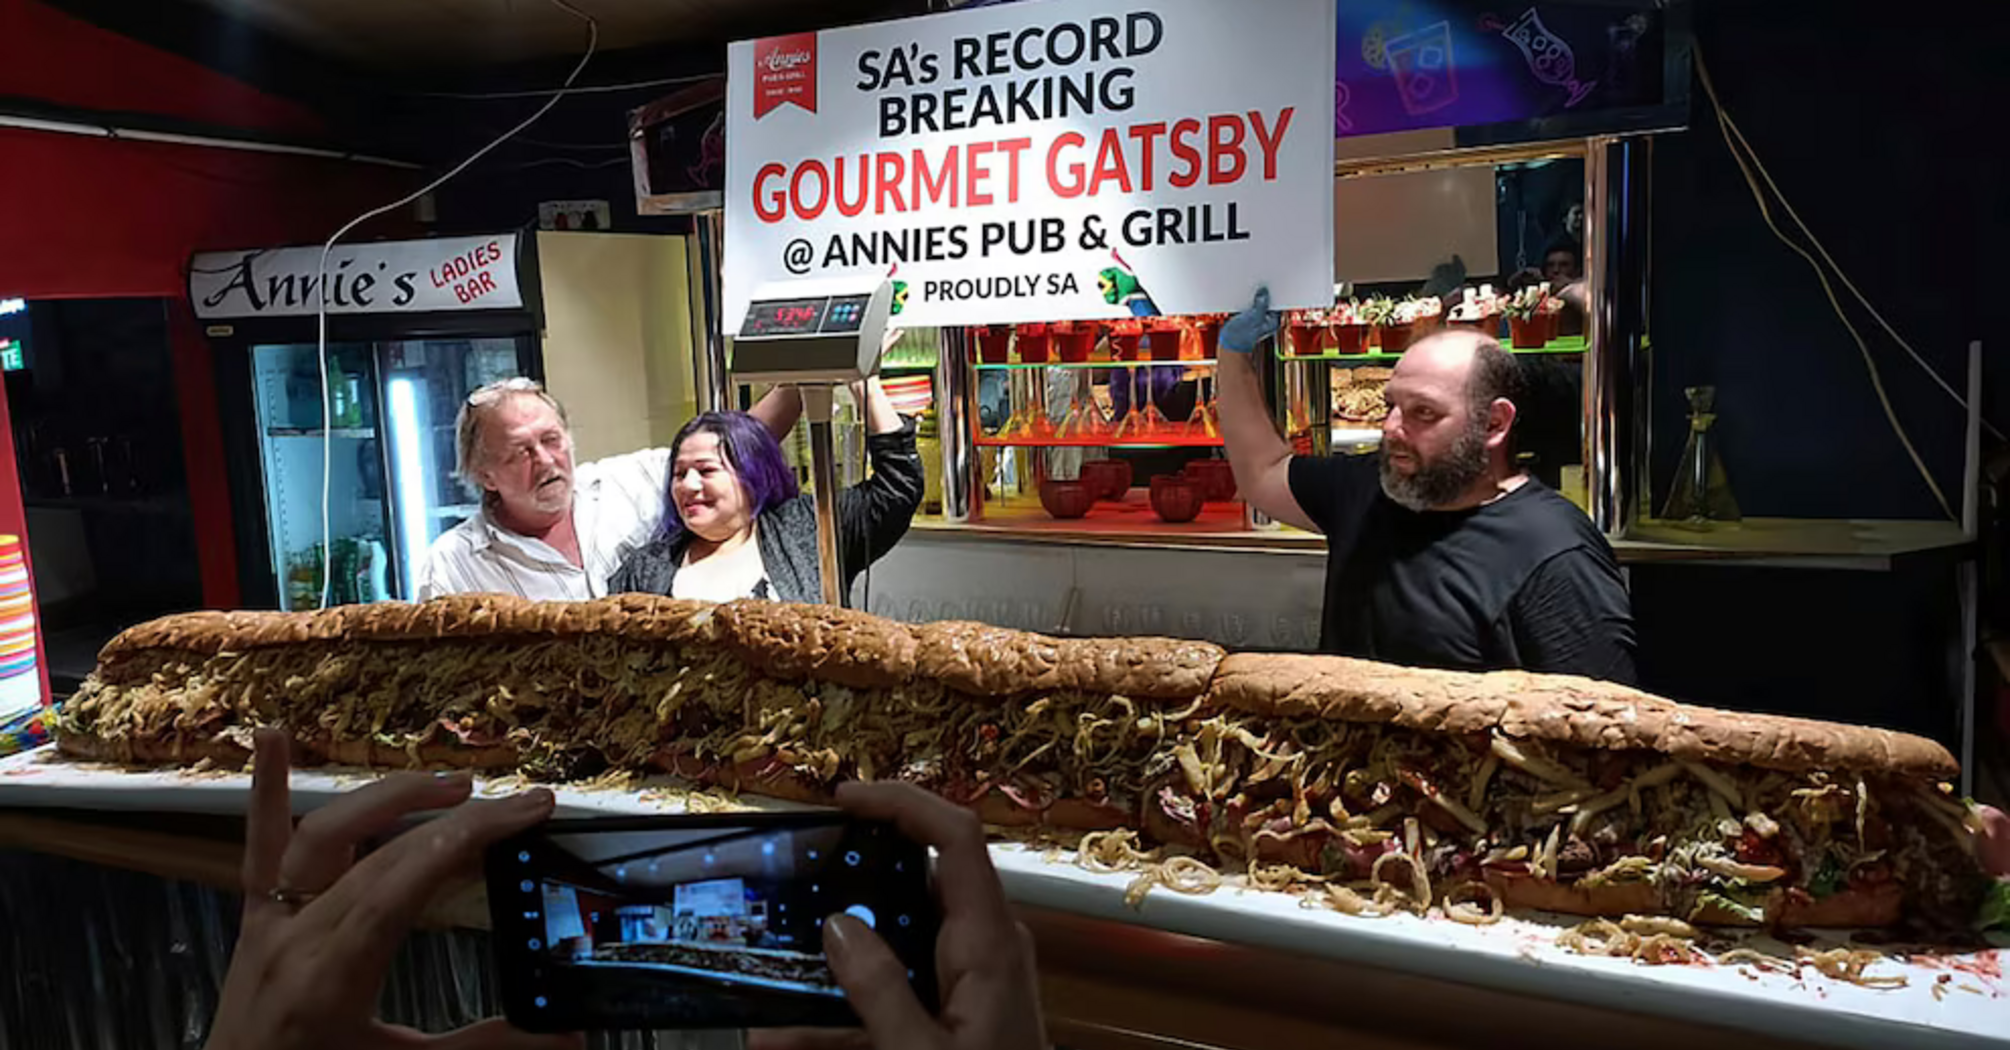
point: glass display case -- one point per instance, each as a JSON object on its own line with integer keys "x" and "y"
{"x": 1108, "y": 428}
{"x": 1105, "y": 426}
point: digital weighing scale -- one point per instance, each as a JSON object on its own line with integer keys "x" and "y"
{"x": 815, "y": 335}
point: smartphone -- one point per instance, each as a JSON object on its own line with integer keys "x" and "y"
{"x": 711, "y": 921}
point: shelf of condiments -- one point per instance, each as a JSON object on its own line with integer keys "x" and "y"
{"x": 1098, "y": 344}
{"x": 1377, "y": 329}
{"x": 1528, "y": 321}
{"x": 1129, "y": 409}
{"x": 1128, "y": 347}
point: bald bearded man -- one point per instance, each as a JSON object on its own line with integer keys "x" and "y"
{"x": 1441, "y": 551}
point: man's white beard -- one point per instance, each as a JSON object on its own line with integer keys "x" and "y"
{"x": 553, "y": 499}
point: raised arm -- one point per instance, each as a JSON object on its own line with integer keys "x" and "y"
{"x": 874, "y": 514}
{"x": 778, "y": 410}
{"x": 1261, "y": 459}
{"x": 880, "y": 416}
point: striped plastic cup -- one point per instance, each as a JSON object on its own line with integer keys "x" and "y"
{"x": 20, "y": 682}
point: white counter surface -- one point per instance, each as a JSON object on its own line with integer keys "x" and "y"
{"x": 1970, "y": 1009}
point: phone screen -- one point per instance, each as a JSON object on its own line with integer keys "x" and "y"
{"x": 699, "y": 922}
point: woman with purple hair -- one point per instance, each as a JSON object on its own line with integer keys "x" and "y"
{"x": 739, "y": 528}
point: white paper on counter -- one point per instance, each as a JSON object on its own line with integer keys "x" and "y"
{"x": 1516, "y": 955}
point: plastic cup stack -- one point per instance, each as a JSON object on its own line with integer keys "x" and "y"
{"x": 20, "y": 684}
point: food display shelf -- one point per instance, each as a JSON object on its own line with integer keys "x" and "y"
{"x": 997, "y": 366}
{"x": 1948, "y": 1001}
{"x": 1563, "y": 347}
{"x": 1568, "y": 345}
{"x": 1146, "y": 440}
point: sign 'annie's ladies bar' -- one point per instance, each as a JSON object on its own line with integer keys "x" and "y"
{"x": 448, "y": 273}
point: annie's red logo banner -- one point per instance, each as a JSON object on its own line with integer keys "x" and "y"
{"x": 785, "y": 70}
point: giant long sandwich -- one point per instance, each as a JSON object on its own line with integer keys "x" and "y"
{"x": 1540, "y": 791}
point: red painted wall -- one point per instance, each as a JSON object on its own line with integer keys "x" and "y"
{"x": 55, "y": 58}
{"x": 99, "y": 218}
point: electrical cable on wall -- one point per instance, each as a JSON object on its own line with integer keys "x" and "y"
{"x": 1754, "y": 170}
{"x": 568, "y": 162}
{"x": 590, "y": 89}
{"x": 321, "y": 310}
{"x": 526, "y": 140}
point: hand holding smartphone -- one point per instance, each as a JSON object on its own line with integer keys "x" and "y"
{"x": 708, "y": 921}
{"x": 983, "y": 956}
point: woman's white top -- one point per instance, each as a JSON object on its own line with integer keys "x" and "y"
{"x": 722, "y": 577}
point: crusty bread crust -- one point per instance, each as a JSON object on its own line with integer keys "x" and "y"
{"x": 983, "y": 660}
{"x": 635, "y": 616}
{"x": 1575, "y": 712}
{"x": 787, "y": 641}
{"x": 227, "y": 754}
{"x": 433, "y": 754}
{"x": 1526, "y": 892}
{"x": 128, "y": 751}
{"x": 818, "y": 641}
{"x": 1875, "y": 906}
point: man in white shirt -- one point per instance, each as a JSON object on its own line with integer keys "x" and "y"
{"x": 547, "y": 530}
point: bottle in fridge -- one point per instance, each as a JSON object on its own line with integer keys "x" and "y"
{"x": 389, "y": 455}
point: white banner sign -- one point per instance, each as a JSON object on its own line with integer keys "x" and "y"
{"x": 1040, "y": 161}
{"x": 450, "y": 273}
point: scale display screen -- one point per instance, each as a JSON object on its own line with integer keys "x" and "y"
{"x": 821, "y": 331}
{"x": 787, "y": 317}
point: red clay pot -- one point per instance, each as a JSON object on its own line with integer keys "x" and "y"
{"x": 1215, "y": 477}
{"x": 1307, "y": 340}
{"x": 1124, "y": 339}
{"x": 1175, "y": 499}
{"x": 994, "y": 344}
{"x": 1033, "y": 344}
{"x": 1209, "y": 331}
{"x": 1066, "y": 499}
{"x": 1107, "y": 478}
{"x": 1397, "y": 338}
{"x": 1527, "y": 333}
{"x": 1077, "y": 343}
{"x": 1164, "y": 337}
{"x": 1350, "y": 338}
{"x": 1552, "y": 325}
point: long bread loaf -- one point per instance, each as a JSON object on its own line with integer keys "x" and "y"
{"x": 1557, "y": 792}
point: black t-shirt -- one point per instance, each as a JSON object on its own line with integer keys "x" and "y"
{"x": 1522, "y": 582}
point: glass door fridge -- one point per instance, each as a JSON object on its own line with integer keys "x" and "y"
{"x": 425, "y": 383}
{"x": 388, "y": 443}
{"x": 294, "y": 443}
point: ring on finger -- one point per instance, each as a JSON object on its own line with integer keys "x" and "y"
{"x": 292, "y": 898}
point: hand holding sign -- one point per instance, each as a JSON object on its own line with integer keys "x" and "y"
{"x": 1253, "y": 325}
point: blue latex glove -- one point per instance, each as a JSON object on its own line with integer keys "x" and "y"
{"x": 1250, "y": 327}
